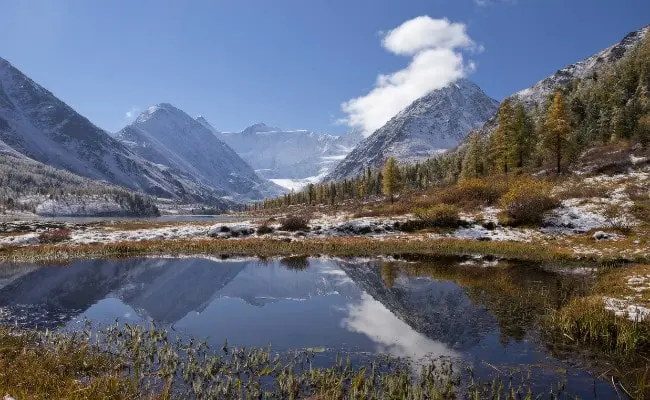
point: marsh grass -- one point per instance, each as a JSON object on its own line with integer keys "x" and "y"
{"x": 135, "y": 362}
{"x": 266, "y": 247}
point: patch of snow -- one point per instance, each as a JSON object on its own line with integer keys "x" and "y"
{"x": 626, "y": 308}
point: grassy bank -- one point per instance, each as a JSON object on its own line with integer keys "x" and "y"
{"x": 343, "y": 247}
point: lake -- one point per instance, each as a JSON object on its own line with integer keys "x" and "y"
{"x": 473, "y": 312}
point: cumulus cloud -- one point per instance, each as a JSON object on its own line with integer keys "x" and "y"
{"x": 132, "y": 113}
{"x": 435, "y": 46}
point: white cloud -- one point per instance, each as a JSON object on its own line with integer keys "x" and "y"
{"x": 423, "y": 33}
{"x": 485, "y": 3}
{"x": 435, "y": 45}
{"x": 132, "y": 113}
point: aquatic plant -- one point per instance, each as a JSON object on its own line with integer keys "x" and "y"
{"x": 136, "y": 362}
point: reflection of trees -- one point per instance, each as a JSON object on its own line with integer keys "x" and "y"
{"x": 296, "y": 263}
{"x": 516, "y": 295}
{"x": 388, "y": 273}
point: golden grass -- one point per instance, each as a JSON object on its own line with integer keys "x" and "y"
{"x": 335, "y": 246}
{"x": 30, "y": 370}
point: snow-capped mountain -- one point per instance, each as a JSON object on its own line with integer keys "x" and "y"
{"x": 535, "y": 96}
{"x": 436, "y": 122}
{"x": 172, "y": 139}
{"x": 289, "y": 158}
{"x": 38, "y": 125}
{"x": 538, "y": 93}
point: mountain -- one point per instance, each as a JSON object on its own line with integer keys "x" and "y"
{"x": 170, "y": 138}
{"x": 537, "y": 94}
{"x": 534, "y": 97}
{"x": 289, "y": 158}
{"x": 436, "y": 122}
{"x": 36, "y": 124}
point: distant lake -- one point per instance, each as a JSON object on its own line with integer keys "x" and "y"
{"x": 419, "y": 310}
{"x": 163, "y": 218}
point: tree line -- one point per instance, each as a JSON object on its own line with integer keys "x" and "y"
{"x": 607, "y": 107}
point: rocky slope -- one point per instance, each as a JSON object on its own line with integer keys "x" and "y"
{"x": 433, "y": 123}
{"x": 170, "y": 138}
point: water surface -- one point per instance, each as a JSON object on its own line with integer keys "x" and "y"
{"x": 474, "y": 315}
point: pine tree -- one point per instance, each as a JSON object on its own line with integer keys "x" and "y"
{"x": 390, "y": 178}
{"x": 558, "y": 129}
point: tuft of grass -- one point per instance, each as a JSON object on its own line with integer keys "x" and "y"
{"x": 38, "y": 366}
{"x": 585, "y": 320}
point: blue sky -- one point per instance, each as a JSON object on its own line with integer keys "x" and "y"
{"x": 289, "y": 63}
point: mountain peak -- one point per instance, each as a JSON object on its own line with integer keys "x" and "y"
{"x": 259, "y": 127}
{"x": 157, "y": 109}
{"x": 435, "y": 122}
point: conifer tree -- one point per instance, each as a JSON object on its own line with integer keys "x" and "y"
{"x": 390, "y": 178}
{"x": 522, "y": 139}
{"x": 500, "y": 152}
{"x": 558, "y": 129}
{"x": 472, "y": 162}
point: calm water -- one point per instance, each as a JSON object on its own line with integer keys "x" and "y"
{"x": 162, "y": 218}
{"x": 422, "y": 310}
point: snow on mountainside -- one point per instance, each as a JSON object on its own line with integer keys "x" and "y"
{"x": 38, "y": 125}
{"x": 540, "y": 92}
{"x": 289, "y": 158}
{"x": 169, "y": 137}
{"x": 536, "y": 95}
{"x": 433, "y": 123}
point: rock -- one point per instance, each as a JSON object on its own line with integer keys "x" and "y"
{"x": 490, "y": 226}
{"x": 637, "y": 147}
{"x": 600, "y": 235}
{"x": 636, "y": 242}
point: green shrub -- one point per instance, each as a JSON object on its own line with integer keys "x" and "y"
{"x": 527, "y": 200}
{"x": 439, "y": 215}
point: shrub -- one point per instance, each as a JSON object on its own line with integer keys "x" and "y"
{"x": 294, "y": 223}
{"x": 481, "y": 191}
{"x": 264, "y": 228}
{"x": 54, "y": 236}
{"x": 527, "y": 200}
{"x": 439, "y": 215}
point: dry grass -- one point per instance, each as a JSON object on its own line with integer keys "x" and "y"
{"x": 31, "y": 370}
{"x": 266, "y": 247}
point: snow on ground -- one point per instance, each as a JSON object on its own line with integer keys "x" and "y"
{"x": 630, "y": 306}
{"x": 627, "y": 308}
{"x": 295, "y": 184}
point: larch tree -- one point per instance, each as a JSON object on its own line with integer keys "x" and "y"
{"x": 500, "y": 151}
{"x": 558, "y": 129}
{"x": 473, "y": 160}
{"x": 390, "y": 178}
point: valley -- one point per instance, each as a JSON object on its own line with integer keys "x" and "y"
{"x": 467, "y": 248}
